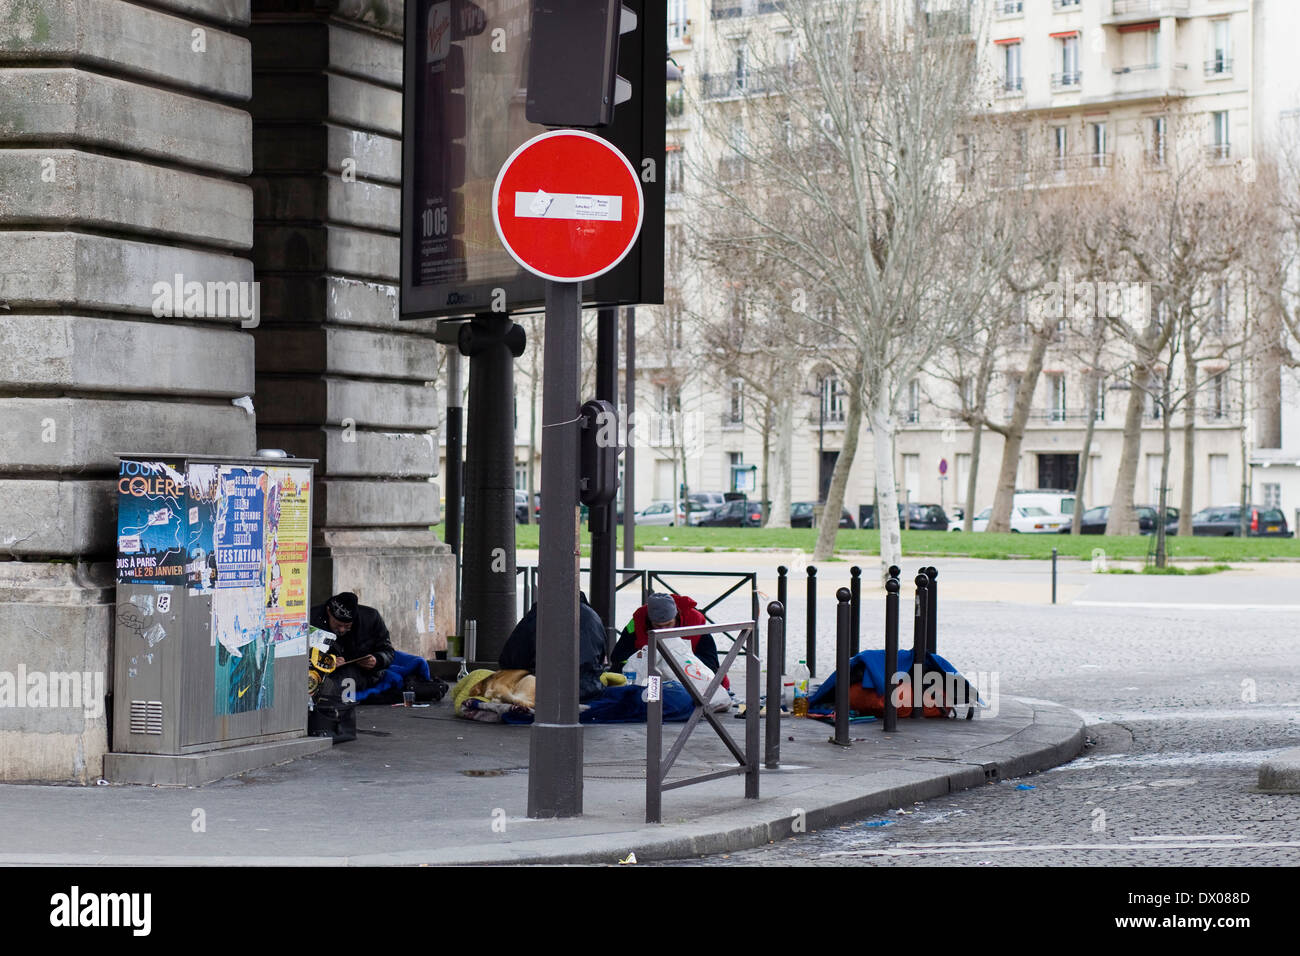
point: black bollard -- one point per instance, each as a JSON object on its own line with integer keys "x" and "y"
{"x": 1053, "y": 575}
{"x": 843, "y": 616}
{"x": 810, "y": 639}
{"x": 782, "y": 597}
{"x": 891, "y": 651}
{"x": 932, "y": 614}
{"x": 775, "y": 667}
{"x": 855, "y": 621}
{"x": 922, "y": 605}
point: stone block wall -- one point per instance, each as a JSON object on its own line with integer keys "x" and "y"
{"x": 125, "y": 138}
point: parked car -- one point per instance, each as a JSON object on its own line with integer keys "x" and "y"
{"x": 703, "y": 502}
{"x": 1225, "y": 521}
{"x": 801, "y": 515}
{"x": 1053, "y": 501}
{"x": 734, "y": 514}
{"x": 521, "y": 506}
{"x": 660, "y": 513}
{"x": 1027, "y": 520}
{"x": 924, "y": 517}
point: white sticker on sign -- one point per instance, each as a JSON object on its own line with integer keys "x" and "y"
{"x": 652, "y": 687}
{"x": 543, "y": 205}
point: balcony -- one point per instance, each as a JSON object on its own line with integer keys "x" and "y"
{"x": 1140, "y": 82}
{"x": 1218, "y": 152}
{"x": 1067, "y": 81}
{"x": 1065, "y": 4}
{"x": 732, "y": 84}
{"x": 1135, "y": 11}
{"x": 1012, "y": 86}
{"x": 1217, "y": 67}
{"x": 727, "y": 9}
{"x": 1009, "y": 8}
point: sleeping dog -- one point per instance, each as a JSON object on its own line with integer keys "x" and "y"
{"x": 513, "y": 687}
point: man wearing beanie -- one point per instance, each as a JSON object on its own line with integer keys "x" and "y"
{"x": 660, "y": 611}
{"x": 362, "y": 639}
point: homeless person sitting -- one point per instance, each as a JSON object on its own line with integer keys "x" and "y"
{"x": 520, "y": 651}
{"x": 362, "y": 639}
{"x": 660, "y": 611}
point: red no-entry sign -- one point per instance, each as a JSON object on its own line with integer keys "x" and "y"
{"x": 567, "y": 206}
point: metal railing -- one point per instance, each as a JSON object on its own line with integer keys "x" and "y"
{"x": 1010, "y": 8}
{"x": 657, "y": 765}
{"x": 1219, "y": 66}
{"x": 1153, "y": 8}
{"x": 1067, "y": 81}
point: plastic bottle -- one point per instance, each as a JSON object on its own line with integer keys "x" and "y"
{"x": 801, "y": 676}
{"x": 787, "y": 691}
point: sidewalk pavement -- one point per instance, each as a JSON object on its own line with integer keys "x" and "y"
{"x": 419, "y": 786}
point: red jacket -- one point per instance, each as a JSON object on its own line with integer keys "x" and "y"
{"x": 687, "y": 616}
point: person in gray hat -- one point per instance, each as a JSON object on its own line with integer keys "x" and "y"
{"x": 660, "y": 611}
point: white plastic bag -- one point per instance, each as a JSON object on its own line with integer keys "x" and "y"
{"x": 700, "y": 675}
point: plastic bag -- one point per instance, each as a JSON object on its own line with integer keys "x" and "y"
{"x": 700, "y": 675}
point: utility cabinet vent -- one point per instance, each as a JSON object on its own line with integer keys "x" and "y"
{"x": 146, "y": 717}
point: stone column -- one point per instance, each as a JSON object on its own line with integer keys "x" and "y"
{"x": 124, "y": 138}
{"x": 339, "y": 377}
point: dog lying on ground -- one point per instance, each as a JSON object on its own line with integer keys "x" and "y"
{"x": 512, "y": 687}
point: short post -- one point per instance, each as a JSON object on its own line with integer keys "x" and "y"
{"x": 810, "y": 638}
{"x": 855, "y": 625}
{"x": 775, "y": 657}
{"x": 843, "y": 617}
{"x": 753, "y": 599}
{"x": 891, "y": 651}
{"x": 922, "y": 605}
{"x": 654, "y": 726}
{"x": 752, "y": 665}
{"x": 782, "y": 597}
{"x": 1053, "y": 575}
{"x": 932, "y": 614}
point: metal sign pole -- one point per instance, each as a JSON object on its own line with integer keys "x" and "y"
{"x": 555, "y": 748}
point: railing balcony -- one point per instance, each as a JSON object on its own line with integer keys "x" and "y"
{"x": 1219, "y": 151}
{"x": 1009, "y": 8}
{"x": 1219, "y": 66}
{"x": 1125, "y": 10}
{"x": 1067, "y": 81}
{"x": 1012, "y": 86}
{"x": 1065, "y": 4}
{"x": 718, "y": 86}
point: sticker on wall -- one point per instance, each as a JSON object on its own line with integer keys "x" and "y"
{"x": 151, "y": 524}
{"x": 201, "y": 559}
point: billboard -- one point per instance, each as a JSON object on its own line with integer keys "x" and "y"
{"x": 463, "y": 112}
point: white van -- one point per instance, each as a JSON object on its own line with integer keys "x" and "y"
{"x": 1053, "y": 502}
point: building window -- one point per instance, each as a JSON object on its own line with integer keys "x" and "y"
{"x": 1100, "y": 144}
{"x": 735, "y": 461}
{"x": 1220, "y": 61}
{"x": 736, "y": 405}
{"x": 1099, "y": 413}
{"x": 1058, "y": 397}
{"x": 1060, "y": 146}
{"x": 832, "y": 399}
{"x": 1218, "y": 395}
{"x": 1069, "y": 76}
{"x": 1220, "y": 148}
{"x": 677, "y": 22}
{"x": 1219, "y": 307}
{"x": 913, "y": 402}
{"x": 675, "y": 171}
{"x": 1159, "y": 140}
{"x": 1012, "y": 82}
{"x": 1155, "y": 393}
{"x": 1272, "y": 495}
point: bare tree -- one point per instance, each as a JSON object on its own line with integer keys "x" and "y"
{"x": 849, "y": 120}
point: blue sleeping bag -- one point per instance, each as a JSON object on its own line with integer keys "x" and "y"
{"x": 395, "y": 674}
{"x": 871, "y": 664}
{"x": 623, "y": 705}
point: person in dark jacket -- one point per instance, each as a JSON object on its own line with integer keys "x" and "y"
{"x": 362, "y": 639}
{"x": 520, "y": 651}
{"x": 660, "y": 611}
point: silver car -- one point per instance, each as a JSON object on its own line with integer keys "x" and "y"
{"x": 660, "y": 513}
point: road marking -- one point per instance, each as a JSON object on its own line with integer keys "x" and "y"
{"x": 1169, "y": 605}
{"x": 1196, "y": 836}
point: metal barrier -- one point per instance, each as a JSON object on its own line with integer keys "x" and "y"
{"x": 657, "y": 766}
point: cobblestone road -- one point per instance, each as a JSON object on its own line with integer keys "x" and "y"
{"x": 1183, "y": 706}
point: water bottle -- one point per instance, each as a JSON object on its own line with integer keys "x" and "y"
{"x": 801, "y": 676}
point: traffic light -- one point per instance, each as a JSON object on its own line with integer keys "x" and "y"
{"x": 573, "y": 62}
{"x": 598, "y": 453}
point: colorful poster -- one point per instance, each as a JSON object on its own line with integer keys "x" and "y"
{"x": 151, "y": 525}
{"x": 244, "y": 657}
{"x": 201, "y": 502}
{"x": 287, "y": 532}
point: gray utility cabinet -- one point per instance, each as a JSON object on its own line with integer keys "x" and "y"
{"x": 213, "y": 594}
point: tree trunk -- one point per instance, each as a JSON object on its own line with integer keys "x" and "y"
{"x": 1189, "y": 445}
{"x": 1167, "y": 436}
{"x": 830, "y": 522}
{"x": 882, "y": 432}
{"x": 977, "y": 439}
{"x": 1076, "y": 520}
{"x": 781, "y": 454}
{"x": 764, "y": 496}
{"x": 1004, "y": 497}
{"x": 1122, "y": 518}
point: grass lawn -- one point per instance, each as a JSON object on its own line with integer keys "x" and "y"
{"x": 941, "y": 543}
